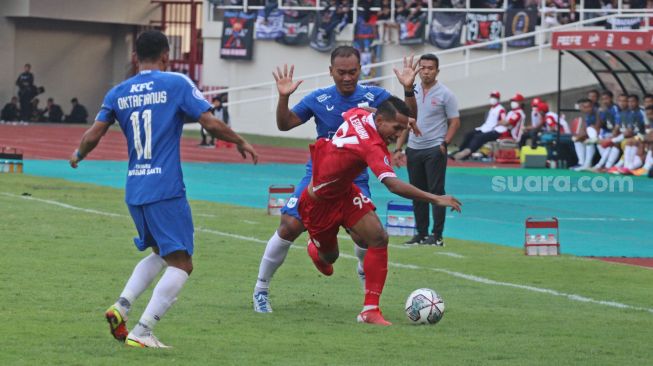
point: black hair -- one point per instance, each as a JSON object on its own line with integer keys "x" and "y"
{"x": 623, "y": 95}
{"x": 635, "y": 96}
{"x": 584, "y": 100}
{"x": 216, "y": 98}
{"x": 608, "y": 93}
{"x": 648, "y": 95}
{"x": 28, "y": 65}
{"x": 345, "y": 51}
{"x": 150, "y": 45}
{"x": 51, "y": 100}
{"x": 399, "y": 105}
{"x": 74, "y": 100}
{"x": 594, "y": 91}
{"x": 431, "y": 57}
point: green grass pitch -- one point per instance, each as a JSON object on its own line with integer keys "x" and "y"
{"x": 64, "y": 261}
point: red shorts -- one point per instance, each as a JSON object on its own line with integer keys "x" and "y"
{"x": 323, "y": 218}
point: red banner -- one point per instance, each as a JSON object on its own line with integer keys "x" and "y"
{"x": 603, "y": 40}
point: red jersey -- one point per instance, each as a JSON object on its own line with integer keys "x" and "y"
{"x": 355, "y": 146}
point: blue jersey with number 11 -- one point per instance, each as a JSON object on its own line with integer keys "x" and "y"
{"x": 150, "y": 108}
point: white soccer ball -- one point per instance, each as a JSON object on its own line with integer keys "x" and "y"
{"x": 424, "y": 306}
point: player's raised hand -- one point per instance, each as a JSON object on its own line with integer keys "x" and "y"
{"x": 285, "y": 84}
{"x": 449, "y": 201}
{"x": 412, "y": 126}
{"x": 406, "y": 76}
{"x": 245, "y": 148}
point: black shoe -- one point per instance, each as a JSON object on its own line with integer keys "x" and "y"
{"x": 439, "y": 242}
{"x": 428, "y": 240}
{"x": 416, "y": 239}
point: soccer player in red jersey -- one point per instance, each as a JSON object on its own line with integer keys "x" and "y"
{"x": 332, "y": 199}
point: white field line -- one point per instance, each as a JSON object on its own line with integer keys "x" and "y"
{"x": 450, "y": 254}
{"x": 250, "y": 222}
{"x": 472, "y": 278}
{"x": 347, "y": 237}
{"x": 204, "y": 215}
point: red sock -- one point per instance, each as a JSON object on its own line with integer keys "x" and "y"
{"x": 376, "y": 270}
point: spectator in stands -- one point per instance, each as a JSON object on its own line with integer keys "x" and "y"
{"x": 609, "y": 119}
{"x": 648, "y": 101}
{"x": 35, "y": 110}
{"x": 386, "y": 26}
{"x": 220, "y": 112}
{"x": 585, "y": 134}
{"x": 507, "y": 128}
{"x": 10, "y": 112}
{"x": 78, "y": 113}
{"x": 52, "y": 112}
{"x": 594, "y": 95}
{"x": 495, "y": 114}
{"x": 25, "y": 84}
{"x": 532, "y": 131}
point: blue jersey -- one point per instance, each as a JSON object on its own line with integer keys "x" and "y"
{"x": 327, "y": 106}
{"x": 150, "y": 108}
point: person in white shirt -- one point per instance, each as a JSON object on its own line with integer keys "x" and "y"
{"x": 495, "y": 114}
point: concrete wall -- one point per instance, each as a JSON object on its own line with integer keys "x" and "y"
{"x": 532, "y": 74}
{"x": 77, "y": 48}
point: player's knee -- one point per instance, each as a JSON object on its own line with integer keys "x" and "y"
{"x": 379, "y": 239}
{"x": 289, "y": 228}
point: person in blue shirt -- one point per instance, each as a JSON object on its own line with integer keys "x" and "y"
{"x": 150, "y": 108}
{"x": 325, "y": 106}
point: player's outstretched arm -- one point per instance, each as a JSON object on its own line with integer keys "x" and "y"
{"x": 396, "y": 186}
{"x": 89, "y": 141}
{"x": 286, "y": 119}
{"x": 220, "y": 130}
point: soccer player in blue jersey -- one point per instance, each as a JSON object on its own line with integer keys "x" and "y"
{"x": 150, "y": 108}
{"x": 325, "y": 106}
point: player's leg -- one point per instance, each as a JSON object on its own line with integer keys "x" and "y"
{"x": 276, "y": 250}
{"x": 360, "y": 248}
{"x": 370, "y": 229}
{"x": 171, "y": 225}
{"x": 141, "y": 278}
{"x": 436, "y": 168}
{"x": 322, "y": 219}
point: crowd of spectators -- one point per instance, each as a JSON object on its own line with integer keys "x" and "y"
{"x": 26, "y": 107}
{"x": 607, "y": 137}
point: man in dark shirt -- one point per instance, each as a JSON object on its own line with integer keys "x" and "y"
{"x": 78, "y": 114}
{"x": 10, "y": 111}
{"x": 52, "y": 112}
{"x": 25, "y": 84}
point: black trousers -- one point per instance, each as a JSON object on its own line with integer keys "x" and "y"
{"x": 469, "y": 136}
{"x": 426, "y": 171}
{"x": 481, "y": 139}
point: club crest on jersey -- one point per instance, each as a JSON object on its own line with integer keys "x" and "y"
{"x": 291, "y": 202}
{"x": 322, "y": 98}
{"x": 434, "y": 101}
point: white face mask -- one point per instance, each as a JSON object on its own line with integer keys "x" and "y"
{"x": 494, "y": 101}
{"x": 514, "y": 105}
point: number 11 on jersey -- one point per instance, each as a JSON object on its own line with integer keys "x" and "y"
{"x": 141, "y": 151}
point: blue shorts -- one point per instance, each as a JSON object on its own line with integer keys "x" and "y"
{"x": 166, "y": 224}
{"x": 291, "y": 206}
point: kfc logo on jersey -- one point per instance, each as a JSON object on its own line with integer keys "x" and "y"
{"x": 137, "y": 88}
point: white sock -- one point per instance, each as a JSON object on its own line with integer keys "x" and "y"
{"x": 275, "y": 253}
{"x": 360, "y": 254}
{"x": 580, "y": 152}
{"x": 142, "y": 276}
{"x": 648, "y": 164}
{"x": 164, "y": 295}
{"x": 370, "y": 307}
{"x": 590, "y": 149}
{"x": 629, "y": 153}
{"x": 604, "y": 152}
{"x": 612, "y": 157}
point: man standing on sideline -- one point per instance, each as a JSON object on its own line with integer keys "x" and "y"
{"x": 149, "y": 108}
{"x": 25, "y": 84}
{"x": 326, "y": 106}
{"x": 436, "y": 111}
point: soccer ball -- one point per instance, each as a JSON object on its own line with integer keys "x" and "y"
{"x": 424, "y": 306}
